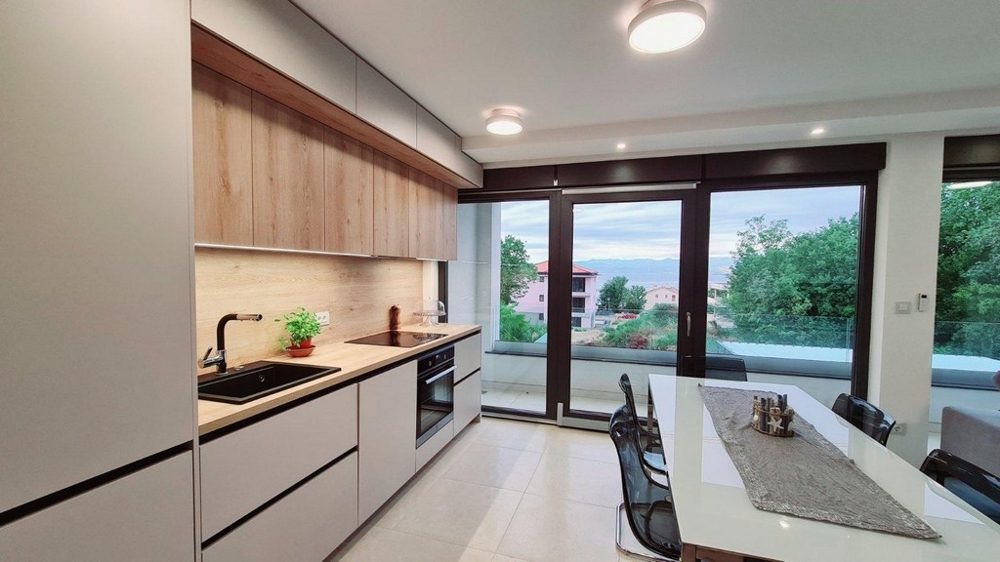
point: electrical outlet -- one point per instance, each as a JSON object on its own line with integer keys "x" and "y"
{"x": 324, "y": 318}
{"x": 899, "y": 428}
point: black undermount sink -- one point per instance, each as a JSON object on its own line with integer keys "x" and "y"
{"x": 256, "y": 380}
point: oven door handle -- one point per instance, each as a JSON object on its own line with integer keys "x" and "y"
{"x": 439, "y": 375}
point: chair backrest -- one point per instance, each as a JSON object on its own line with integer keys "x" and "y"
{"x": 941, "y": 466}
{"x": 626, "y": 385}
{"x": 712, "y": 367}
{"x": 865, "y": 416}
{"x": 656, "y": 526}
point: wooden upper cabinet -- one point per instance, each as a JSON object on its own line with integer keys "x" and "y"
{"x": 349, "y": 195}
{"x": 287, "y": 178}
{"x": 433, "y": 218}
{"x": 448, "y": 215}
{"x": 223, "y": 174}
{"x": 392, "y": 215}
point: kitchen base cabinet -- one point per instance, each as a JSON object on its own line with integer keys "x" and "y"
{"x": 387, "y": 434}
{"x": 244, "y": 469}
{"x": 145, "y": 516}
{"x": 468, "y": 400}
{"x": 306, "y": 525}
{"x": 433, "y": 446}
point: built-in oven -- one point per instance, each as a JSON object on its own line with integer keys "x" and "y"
{"x": 435, "y": 392}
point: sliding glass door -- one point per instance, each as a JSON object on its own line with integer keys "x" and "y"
{"x": 576, "y": 287}
{"x": 625, "y": 295}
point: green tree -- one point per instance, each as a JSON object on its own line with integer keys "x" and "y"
{"x": 794, "y": 289}
{"x": 635, "y": 299}
{"x": 615, "y": 295}
{"x": 612, "y": 294}
{"x": 515, "y": 327}
{"x": 968, "y": 287}
{"x": 515, "y": 269}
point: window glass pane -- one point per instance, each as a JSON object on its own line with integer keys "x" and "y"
{"x": 503, "y": 247}
{"x": 626, "y": 259}
{"x": 782, "y": 289}
{"x": 967, "y": 309}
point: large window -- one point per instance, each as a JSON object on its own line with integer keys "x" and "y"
{"x": 782, "y": 284}
{"x": 498, "y": 281}
{"x": 967, "y": 313}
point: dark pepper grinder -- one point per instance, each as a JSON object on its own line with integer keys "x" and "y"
{"x": 394, "y": 318}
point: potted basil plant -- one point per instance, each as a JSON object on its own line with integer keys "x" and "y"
{"x": 301, "y": 326}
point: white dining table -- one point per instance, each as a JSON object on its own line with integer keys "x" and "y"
{"x": 717, "y": 521}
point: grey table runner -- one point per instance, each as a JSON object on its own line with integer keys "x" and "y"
{"x": 805, "y": 475}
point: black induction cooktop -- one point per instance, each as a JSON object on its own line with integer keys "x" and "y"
{"x": 397, "y": 339}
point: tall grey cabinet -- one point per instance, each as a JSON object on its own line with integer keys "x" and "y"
{"x": 97, "y": 408}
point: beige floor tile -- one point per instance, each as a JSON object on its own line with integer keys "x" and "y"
{"x": 524, "y": 436}
{"x": 579, "y": 480}
{"x": 401, "y": 503}
{"x": 582, "y": 444}
{"x": 385, "y": 545}
{"x": 549, "y": 530}
{"x": 460, "y": 513}
{"x": 487, "y": 465}
{"x": 502, "y": 558}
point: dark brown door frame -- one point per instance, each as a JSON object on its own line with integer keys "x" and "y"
{"x": 693, "y": 296}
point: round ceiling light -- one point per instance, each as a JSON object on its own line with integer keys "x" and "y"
{"x": 504, "y": 122}
{"x": 666, "y": 25}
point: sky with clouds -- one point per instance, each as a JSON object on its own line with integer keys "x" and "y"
{"x": 652, "y": 229}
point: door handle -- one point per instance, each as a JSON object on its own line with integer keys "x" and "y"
{"x": 688, "y": 314}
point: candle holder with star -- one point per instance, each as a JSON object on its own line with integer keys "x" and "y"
{"x": 772, "y": 416}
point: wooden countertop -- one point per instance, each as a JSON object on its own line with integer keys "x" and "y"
{"x": 354, "y": 360}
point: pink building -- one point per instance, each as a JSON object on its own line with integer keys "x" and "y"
{"x": 534, "y": 304}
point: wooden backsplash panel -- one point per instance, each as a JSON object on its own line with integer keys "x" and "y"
{"x": 356, "y": 291}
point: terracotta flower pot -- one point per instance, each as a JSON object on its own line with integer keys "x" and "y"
{"x": 299, "y": 351}
{"x": 308, "y": 342}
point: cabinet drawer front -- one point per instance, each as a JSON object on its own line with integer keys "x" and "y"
{"x": 306, "y": 525}
{"x": 468, "y": 400}
{"x": 468, "y": 356}
{"x": 242, "y": 470}
{"x": 143, "y": 516}
{"x": 434, "y": 445}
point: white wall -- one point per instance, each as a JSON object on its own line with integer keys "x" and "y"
{"x": 905, "y": 265}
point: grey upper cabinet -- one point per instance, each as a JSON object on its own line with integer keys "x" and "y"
{"x": 279, "y": 34}
{"x": 384, "y": 105}
{"x": 436, "y": 140}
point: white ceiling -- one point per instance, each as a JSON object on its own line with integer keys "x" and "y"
{"x": 764, "y": 72}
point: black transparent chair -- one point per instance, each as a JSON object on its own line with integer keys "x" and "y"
{"x": 649, "y": 442}
{"x": 977, "y": 487}
{"x": 647, "y": 504}
{"x": 712, "y": 367}
{"x": 865, "y": 416}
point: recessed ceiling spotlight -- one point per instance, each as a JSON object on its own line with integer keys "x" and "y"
{"x": 620, "y": 146}
{"x": 817, "y": 131}
{"x": 503, "y": 121}
{"x": 666, "y": 25}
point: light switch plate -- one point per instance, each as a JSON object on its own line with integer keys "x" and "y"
{"x": 323, "y": 317}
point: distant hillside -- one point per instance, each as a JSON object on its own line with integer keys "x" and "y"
{"x": 649, "y": 273}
